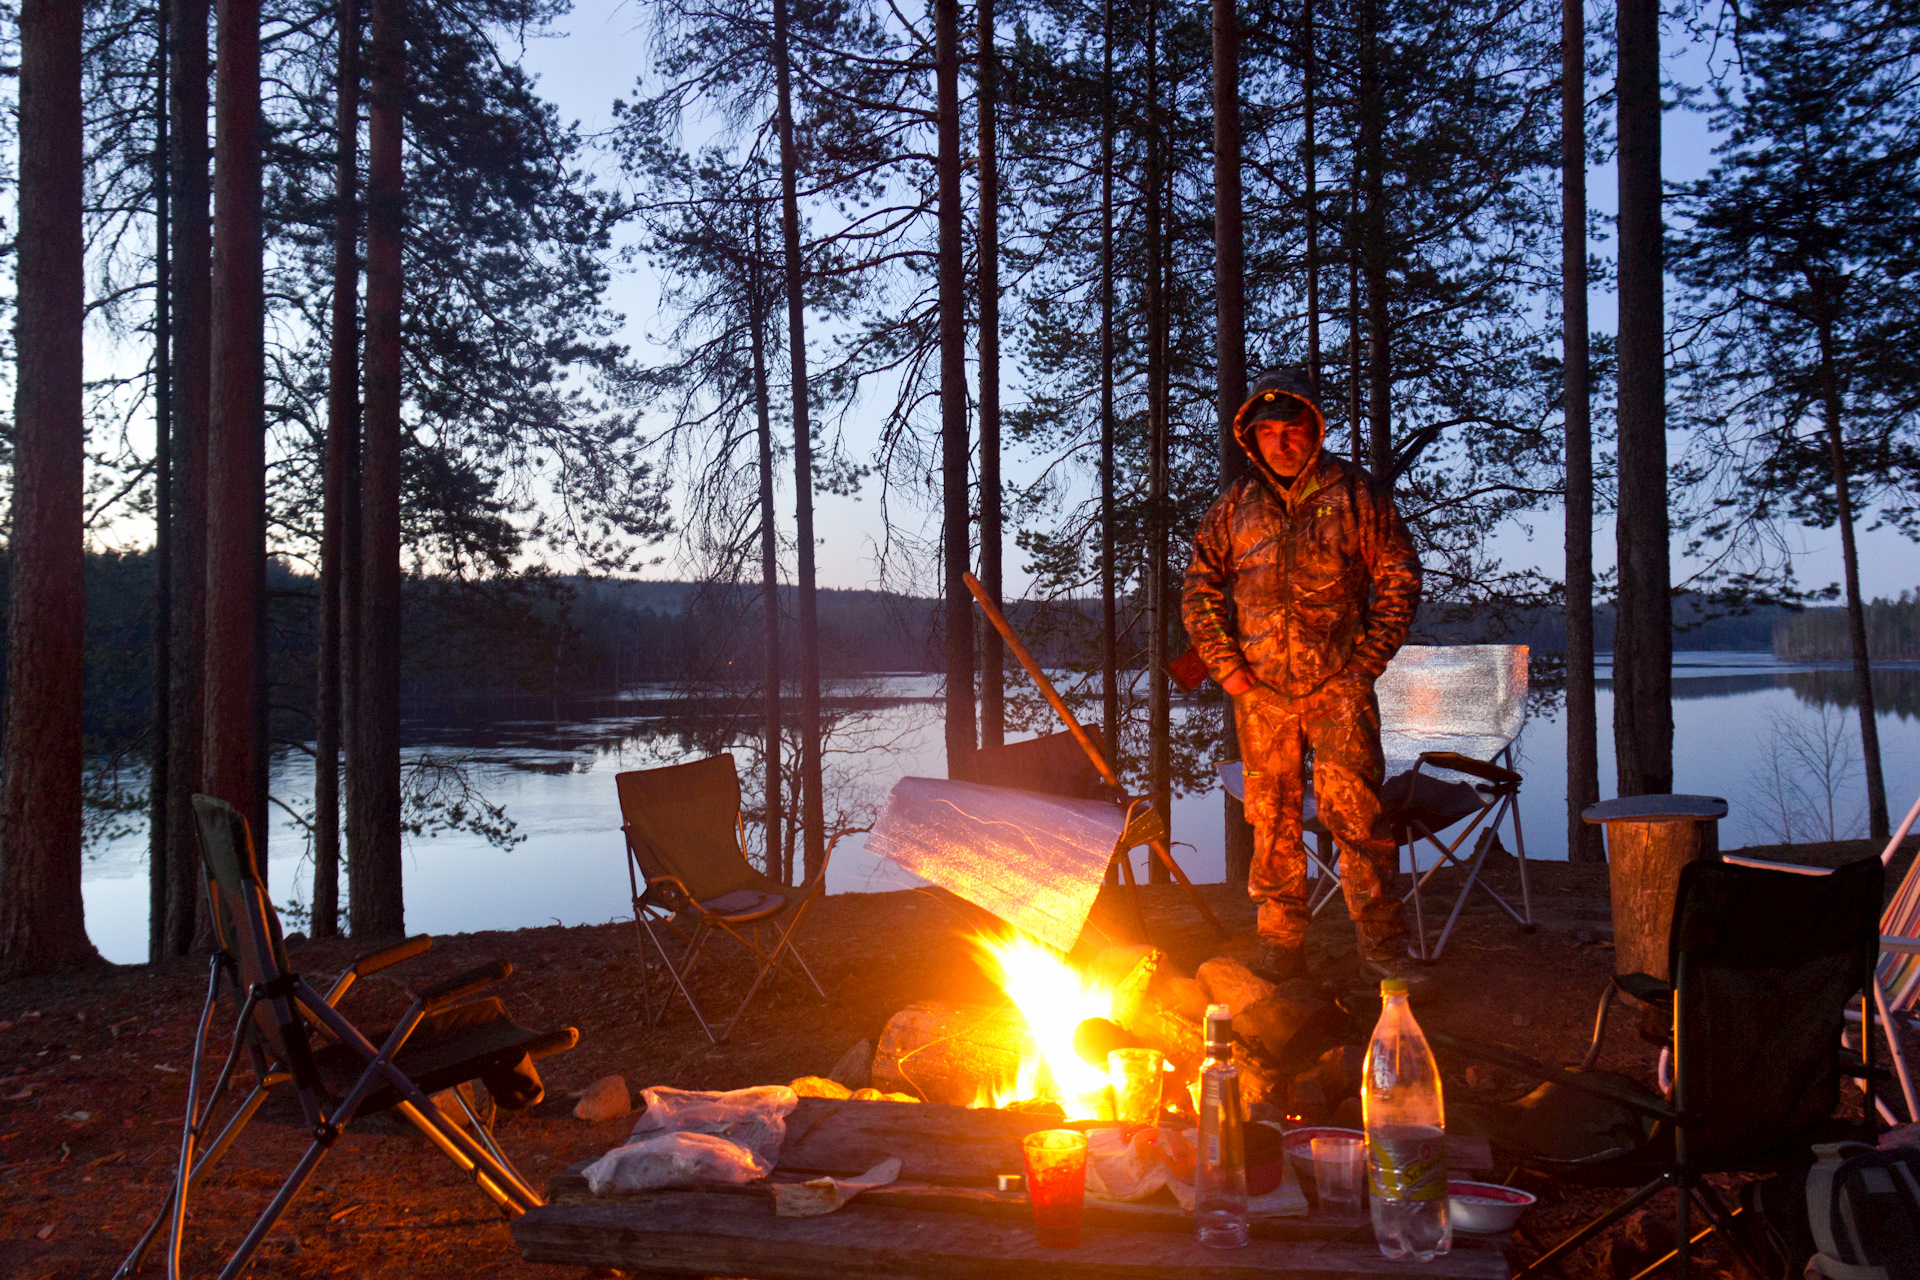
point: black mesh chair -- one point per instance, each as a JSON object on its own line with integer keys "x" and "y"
{"x": 1764, "y": 964}
{"x": 297, "y": 1042}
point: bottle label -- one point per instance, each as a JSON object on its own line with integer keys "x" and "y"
{"x": 1407, "y": 1166}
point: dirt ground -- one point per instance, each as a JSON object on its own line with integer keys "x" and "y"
{"x": 92, "y": 1068}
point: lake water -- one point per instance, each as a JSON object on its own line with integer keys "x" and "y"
{"x": 1743, "y": 723}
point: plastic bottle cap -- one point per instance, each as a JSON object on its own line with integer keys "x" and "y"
{"x": 1393, "y": 986}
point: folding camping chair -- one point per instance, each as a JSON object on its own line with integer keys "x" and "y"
{"x": 1764, "y": 965}
{"x": 296, "y": 1041}
{"x": 686, "y": 844}
{"x": 1454, "y": 710}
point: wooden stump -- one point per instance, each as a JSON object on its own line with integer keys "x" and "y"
{"x": 1649, "y": 839}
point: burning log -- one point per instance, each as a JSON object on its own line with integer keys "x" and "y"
{"x": 952, "y": 1053}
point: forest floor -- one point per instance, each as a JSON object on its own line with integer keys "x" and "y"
{"x": 93, "y": 1069}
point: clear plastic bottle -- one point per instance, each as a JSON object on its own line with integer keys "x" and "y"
{"x": 1406, "y": 1135}
{"x": 1220, "y": 1172}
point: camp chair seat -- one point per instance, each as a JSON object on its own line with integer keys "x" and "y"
{"x": 744, "y": 906}
{"x": 1433, "y": 802}
{"x": 477, "y": 1041}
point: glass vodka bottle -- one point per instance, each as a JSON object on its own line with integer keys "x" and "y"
{"x": 1220, "y": 1172}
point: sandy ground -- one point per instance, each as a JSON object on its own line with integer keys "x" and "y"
{"x": 92, "y": 1069}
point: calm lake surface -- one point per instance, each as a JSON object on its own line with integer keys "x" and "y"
{"x": 1738, "y": 718}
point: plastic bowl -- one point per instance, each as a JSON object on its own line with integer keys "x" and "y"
{"x": 1485, "y": 1208}
{"x": 1299, "y": 1144}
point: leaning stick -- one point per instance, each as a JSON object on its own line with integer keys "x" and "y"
{"x": 1080, "y": 735}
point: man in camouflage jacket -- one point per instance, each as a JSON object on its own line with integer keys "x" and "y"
{"x": 1302, "y": 587}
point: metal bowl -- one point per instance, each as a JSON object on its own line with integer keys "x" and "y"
{"x": 1485, "y": 1208}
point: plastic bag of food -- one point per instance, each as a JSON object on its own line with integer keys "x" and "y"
{"x": 674, "y": 1160}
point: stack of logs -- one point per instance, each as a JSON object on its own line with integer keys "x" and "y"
{"x": 1298, "y": 1050}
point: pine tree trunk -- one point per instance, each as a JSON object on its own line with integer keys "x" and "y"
{"x": 1230, "y": 335}
{"x": 1158, "y": 708}
{"x": 1643, "y": 630}
{"x": 1109, "y": 583}
{"x": 1373, "y": 251}
{"x": 1878, "y": 821}
{"x": 778, "y": 866}
{"x": 1356, "y": 426}
{"x": 812, "y": 803}
{"x": 1309, "y": 112}
{"x": 192, "y": 332}
{"x": 236, "y": 438}
{"x": 376, "y": 899}
{"x": 1583, "y": 760}
{"x": 955, "y": 527}
{"x": 993, "y": 682}
{"x": 43, "y": 922}
{"x": 337, "y": 576}
{"x": 161, "y": 729}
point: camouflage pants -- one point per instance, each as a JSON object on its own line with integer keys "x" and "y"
{"x": 1340, "y": 723}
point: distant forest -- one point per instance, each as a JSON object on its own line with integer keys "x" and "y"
{"x": 473, "y": 645}
{"x": 1893, "y": 631}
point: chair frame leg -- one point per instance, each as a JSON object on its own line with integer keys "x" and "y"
{"x": 1599, "y": 1224}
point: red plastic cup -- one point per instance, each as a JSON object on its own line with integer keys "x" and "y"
{"x": 1056, "y": 1162}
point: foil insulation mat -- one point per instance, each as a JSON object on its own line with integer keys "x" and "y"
{"x": 1037, "y": 861}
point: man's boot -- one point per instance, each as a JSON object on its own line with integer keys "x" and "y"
{"x": 1389, "y": 958}
{"x": 1278, "y": 963}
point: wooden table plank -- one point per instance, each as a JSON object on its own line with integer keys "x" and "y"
{"x": 700, "y": 1233}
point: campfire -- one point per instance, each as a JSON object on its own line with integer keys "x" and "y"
{"x": 1046, "y": 1048}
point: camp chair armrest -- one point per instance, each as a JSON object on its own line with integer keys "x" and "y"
{"x": 387, "y": 957}
{"x": 460, "y": 986}
{"x": 1585, "y": 1082}
{"x": 1454, "y": 762}
{"x": 676, "y": 887}
{"x": 1645, "y": 987}
{"x": 1899, "y": 945}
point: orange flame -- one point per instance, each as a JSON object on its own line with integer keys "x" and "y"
{"x": 1054, "y": 999}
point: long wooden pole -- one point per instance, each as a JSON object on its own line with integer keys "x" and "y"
{"x": 1080, "y": 735}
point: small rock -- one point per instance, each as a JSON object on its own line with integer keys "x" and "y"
{"x": 855, "y": 1068}
{"x": 1584, "y": 937}
{"x": 1227, "y": 981}
{"x": 1522, "y": 1020}
{"x": 604, "y": 1099}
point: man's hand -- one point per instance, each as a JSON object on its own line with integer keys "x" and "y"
{"x": 1239, "y": 682}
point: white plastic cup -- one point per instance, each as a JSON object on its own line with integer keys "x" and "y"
{"x": 1339, "y": 1165}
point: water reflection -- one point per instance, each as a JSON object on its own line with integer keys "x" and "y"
{"x": 553, "y": 776}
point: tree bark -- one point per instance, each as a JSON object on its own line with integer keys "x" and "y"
{"x": 1309, "y": 77}
{"x": 1230, "y": 335}
{"x": 377, "y": 905}
{"x": 1878, "y": 820}
{"x": 1356, "y": 427}
{"x": 337, "y": 578}
{"x": 1159, "y": 710}
{"x": 192, "y": 332}
{"x": 158, "y": 876}
{"x": 778, "y": 865}
{"x": 43, "y": 922}
{"x": 1643, "y": 637}
{"x": 993, "y": 685}
{"x": 955, "y": 528}
{"x": 236, "y": 439}
{"x": 1373, "y": 252}
{"x": 812, "y": 803}
{"x": 1583, "y": 759}
{"x": 1109, "y": 575}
